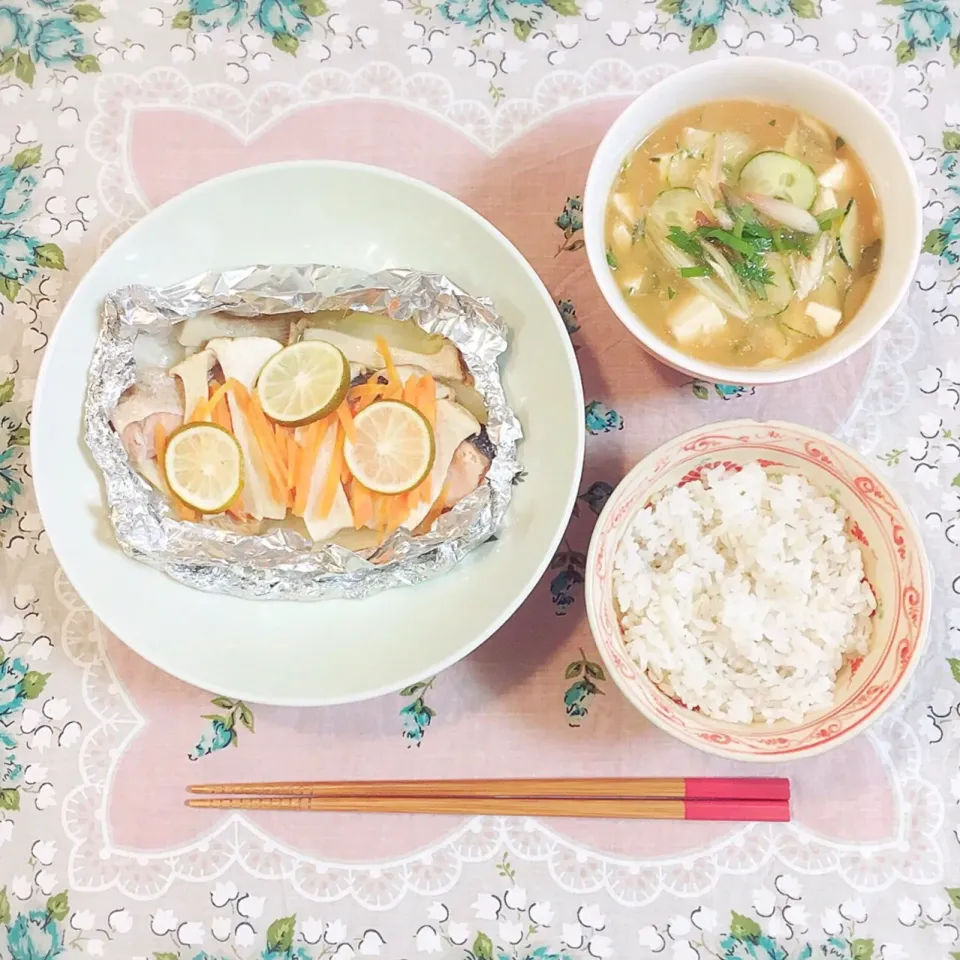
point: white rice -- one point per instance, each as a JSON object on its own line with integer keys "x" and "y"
{"x": 741, "y": 594}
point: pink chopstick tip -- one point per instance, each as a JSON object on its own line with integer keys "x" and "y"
{"x": 737, "y": 788}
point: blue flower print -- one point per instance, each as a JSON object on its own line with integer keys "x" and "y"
{"x": 602, "y": 419}
{"x": 766, "y": 8}
{"x": 11, "y": 486}
{"x": 35, "y": 936}
{"x": 54, "y": 4}
{"x": 222, "y": 728}
{"x": 10, "y": 770}
{"x": 596, "y": 495}
{"x": 700, "y": 13}
{"x": 211, "y": 14}
{"x": 944, "y": 241}
{"x": 585, "y": 674}
{"x": 284, "y": 21}
{"x": 416, "y": 716}
{"x": 56, "y": 41}
{"x": 570, "y": 566}
{"x": 473, "y": 13}
{"x": 16, "y": 189}
{"x": 14, "y": 28}
{"x": 926, "y": 23}
{"x": 18, "y": 255}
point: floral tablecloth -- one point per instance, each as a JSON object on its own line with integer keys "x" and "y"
{"x": 107, "y": 109}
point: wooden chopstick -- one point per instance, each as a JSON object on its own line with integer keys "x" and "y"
{"x": 629, "y": 809}
{"x": 610, "y": 788}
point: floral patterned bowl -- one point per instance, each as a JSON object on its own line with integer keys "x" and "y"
{"x": 894, "y": 559}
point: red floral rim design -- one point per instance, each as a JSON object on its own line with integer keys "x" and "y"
{"x": 893, "y": 554}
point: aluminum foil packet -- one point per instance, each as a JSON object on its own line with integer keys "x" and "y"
{"x": 139, "y": 329}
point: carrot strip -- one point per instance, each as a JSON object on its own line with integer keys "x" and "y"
{"x": 398, "y": 509}
{"x": 201, "y": 412}
{"x": 428, "y": 399}
{"x": 410, "y": 390}
{"x": 388, "y": 361}
{"x": 218, "y": 393}
{"x": 332, "y": 480}
{"x": 183, "y": 511}
{"x": 159, "y": 442}
{"x": 265, "y": 438}
{"x": 346, "y": 421}
{"x": 362, "y": 504}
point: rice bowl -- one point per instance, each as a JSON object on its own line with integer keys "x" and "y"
{"x": 873, "y": 665}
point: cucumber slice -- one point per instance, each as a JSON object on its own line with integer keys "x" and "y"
{"x": 850, "y": 246}
{"x": 775, "y": 174}
{"x": 678, "y": 207}
{"x": 779, "y": 291}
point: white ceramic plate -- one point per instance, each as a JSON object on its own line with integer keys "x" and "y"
{"x": 336, "y": 651}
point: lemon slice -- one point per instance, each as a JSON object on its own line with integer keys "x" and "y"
{"x": 394, "y": 449}
{"x": 303, "y": 382}
{"x": 203, "y": 466}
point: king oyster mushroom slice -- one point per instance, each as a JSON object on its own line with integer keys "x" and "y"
{"x": 446, "y": 363}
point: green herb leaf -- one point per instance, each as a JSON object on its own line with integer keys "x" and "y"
{"x": 521, "y": 29}
{"x": 687, "y": 242}
{"x": 58, "y": 906}
{"x": 740, "y": 244}
{"x": 827, "y": 218}
{"x": 612, "y": 260}
{"x": 671, "y": 293}
{"x": 25, "y": 69}
{"x": 702, "y": 38}
{"x": 182, "y": 21}
{"x": 951, "y": 140}
{"x": 905, "y": 52}
{"x": 85, "y": 13}
{"x": 805, "y": 9}
{"x": 286, "y": 42}
{"x": 29, "y": 157}
{"x": 702, "y": 271}
{"x": 280, "y": 934}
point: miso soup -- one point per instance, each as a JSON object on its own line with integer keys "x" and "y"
{"x": 745, "y": 233}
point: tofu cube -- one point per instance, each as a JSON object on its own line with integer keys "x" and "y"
{"x": 833, "y": 177}
{"x": 825, "y": 318}
{"x": 696, "y": 318}
{"x": 826, "y": 200}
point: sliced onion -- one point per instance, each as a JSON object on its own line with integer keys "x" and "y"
{"x": 807, "y": 272}
{"x": 790, "y": 215}
{"x": 710, "y": 195}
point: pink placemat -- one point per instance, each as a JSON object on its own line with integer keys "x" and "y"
{"x": 532, "y": 701}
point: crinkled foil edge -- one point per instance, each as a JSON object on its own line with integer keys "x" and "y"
{"x": 284, "y": 565}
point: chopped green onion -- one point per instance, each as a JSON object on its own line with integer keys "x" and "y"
{"x": 685, "y": 242}
{"x": 827, "y": 218}
{"x": 730, "y": 240}
{"x": 611, "y": 260}
{"x": 671, "y": 293}
{"x": 694, "y": 271}
{"x": 639, "y": 228}
{"x": 772, "y": 123}
{"x": 839, "y": 142}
